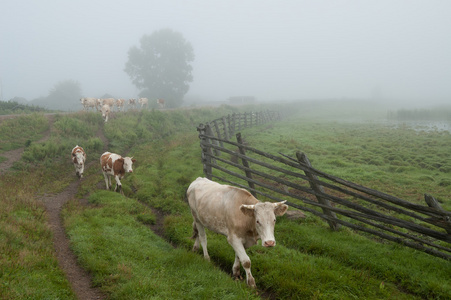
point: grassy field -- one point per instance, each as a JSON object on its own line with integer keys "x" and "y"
{"x": 112, "y": 235}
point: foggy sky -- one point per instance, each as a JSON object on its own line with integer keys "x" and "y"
{"x": 392, "y": 49}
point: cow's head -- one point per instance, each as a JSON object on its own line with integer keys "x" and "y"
{"x": 128, "y": 163}
{"x": 264, "y": 214}
{"x": 78, "y": 158}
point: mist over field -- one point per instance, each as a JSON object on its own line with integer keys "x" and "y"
{"x": 393, "y": 52}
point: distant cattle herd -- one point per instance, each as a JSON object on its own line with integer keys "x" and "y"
{"x": 108, "y": 105}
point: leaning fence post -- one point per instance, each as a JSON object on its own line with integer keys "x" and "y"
{"x": 432, "y": 202}
{"x": 206, "y": 151}
{"x": 302, "y": 158}
{"x": 245, "y": 164}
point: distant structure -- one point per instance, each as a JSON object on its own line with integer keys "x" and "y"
{"x": 241, "y": 99}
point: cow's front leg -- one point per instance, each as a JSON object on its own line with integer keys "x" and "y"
{"x": 81, "y": 171}
{"x": 118, "y": 184}
{"x": 106, "y": 181}
{"x": 236, "y": 268}
{"x": 240, "y": 252}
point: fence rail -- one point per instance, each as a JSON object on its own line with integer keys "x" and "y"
{"x": 338, "y": 201}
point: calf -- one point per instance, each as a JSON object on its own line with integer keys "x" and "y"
{"x": 115, "y": 165}
{"x": 235, "y": 213}
{"x": 78, "y": 159}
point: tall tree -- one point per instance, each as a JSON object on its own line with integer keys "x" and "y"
{"x": 160, "y": 67}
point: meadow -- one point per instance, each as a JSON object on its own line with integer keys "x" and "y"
{"x": 112, "y": 235}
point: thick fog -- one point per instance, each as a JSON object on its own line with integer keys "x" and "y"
{"x": 272, "y": 50}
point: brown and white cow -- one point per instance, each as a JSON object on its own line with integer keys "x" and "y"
{"x": 105, "y": 112}
{"x": 78, "y": 159}
{"x": 143, "y": 102}
{"x": 160, "y": 103}
{"x": 235, "y": 213}
{"x": 132, "y": 102}
{"x": 115, "y": 165}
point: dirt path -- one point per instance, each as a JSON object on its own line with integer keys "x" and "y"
{"x": 79, "y": 279}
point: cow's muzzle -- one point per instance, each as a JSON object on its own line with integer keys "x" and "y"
{"x": 269, "y": 243}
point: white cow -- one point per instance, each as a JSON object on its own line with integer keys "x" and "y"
{"x": 235, "y": 213}
{"x": 78, "y": 159}
{"x": 88, "y": 102}
{"x": 108, "y": 101}
{"x": 115, "y": 165}
{"x": 105, "y": 112}
{"x": 143, "y": 102}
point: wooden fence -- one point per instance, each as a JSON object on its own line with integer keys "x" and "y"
{"x": 338, "y": 201}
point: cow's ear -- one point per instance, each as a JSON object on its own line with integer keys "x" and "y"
{"x": 248, "y": 210}
{"x": 280, "y": 208}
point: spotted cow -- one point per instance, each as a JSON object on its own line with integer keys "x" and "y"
{"x": 78, "y": 159}
{"x": 132, "y": 102}
{"x": 235, "y": 213}
{"x": 115, "y": 165}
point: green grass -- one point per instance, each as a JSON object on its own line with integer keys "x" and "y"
{"x": 129, "y": 261}
{"x": 28, "y": 265}
{"x": 113, "y": 241}
{"x": 21, "y": 131}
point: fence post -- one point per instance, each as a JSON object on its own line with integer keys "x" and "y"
{"x": 302, "y": 158}
{"x": 226, "y": 131}
{"x": 239, "y": 121}
{"x": 432, "y": 202}
{"x": 209, "y": 132}
{"x": 206, "y": 152}
{"x": 245, "y": 164}
{"x": 218, "y": 133}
